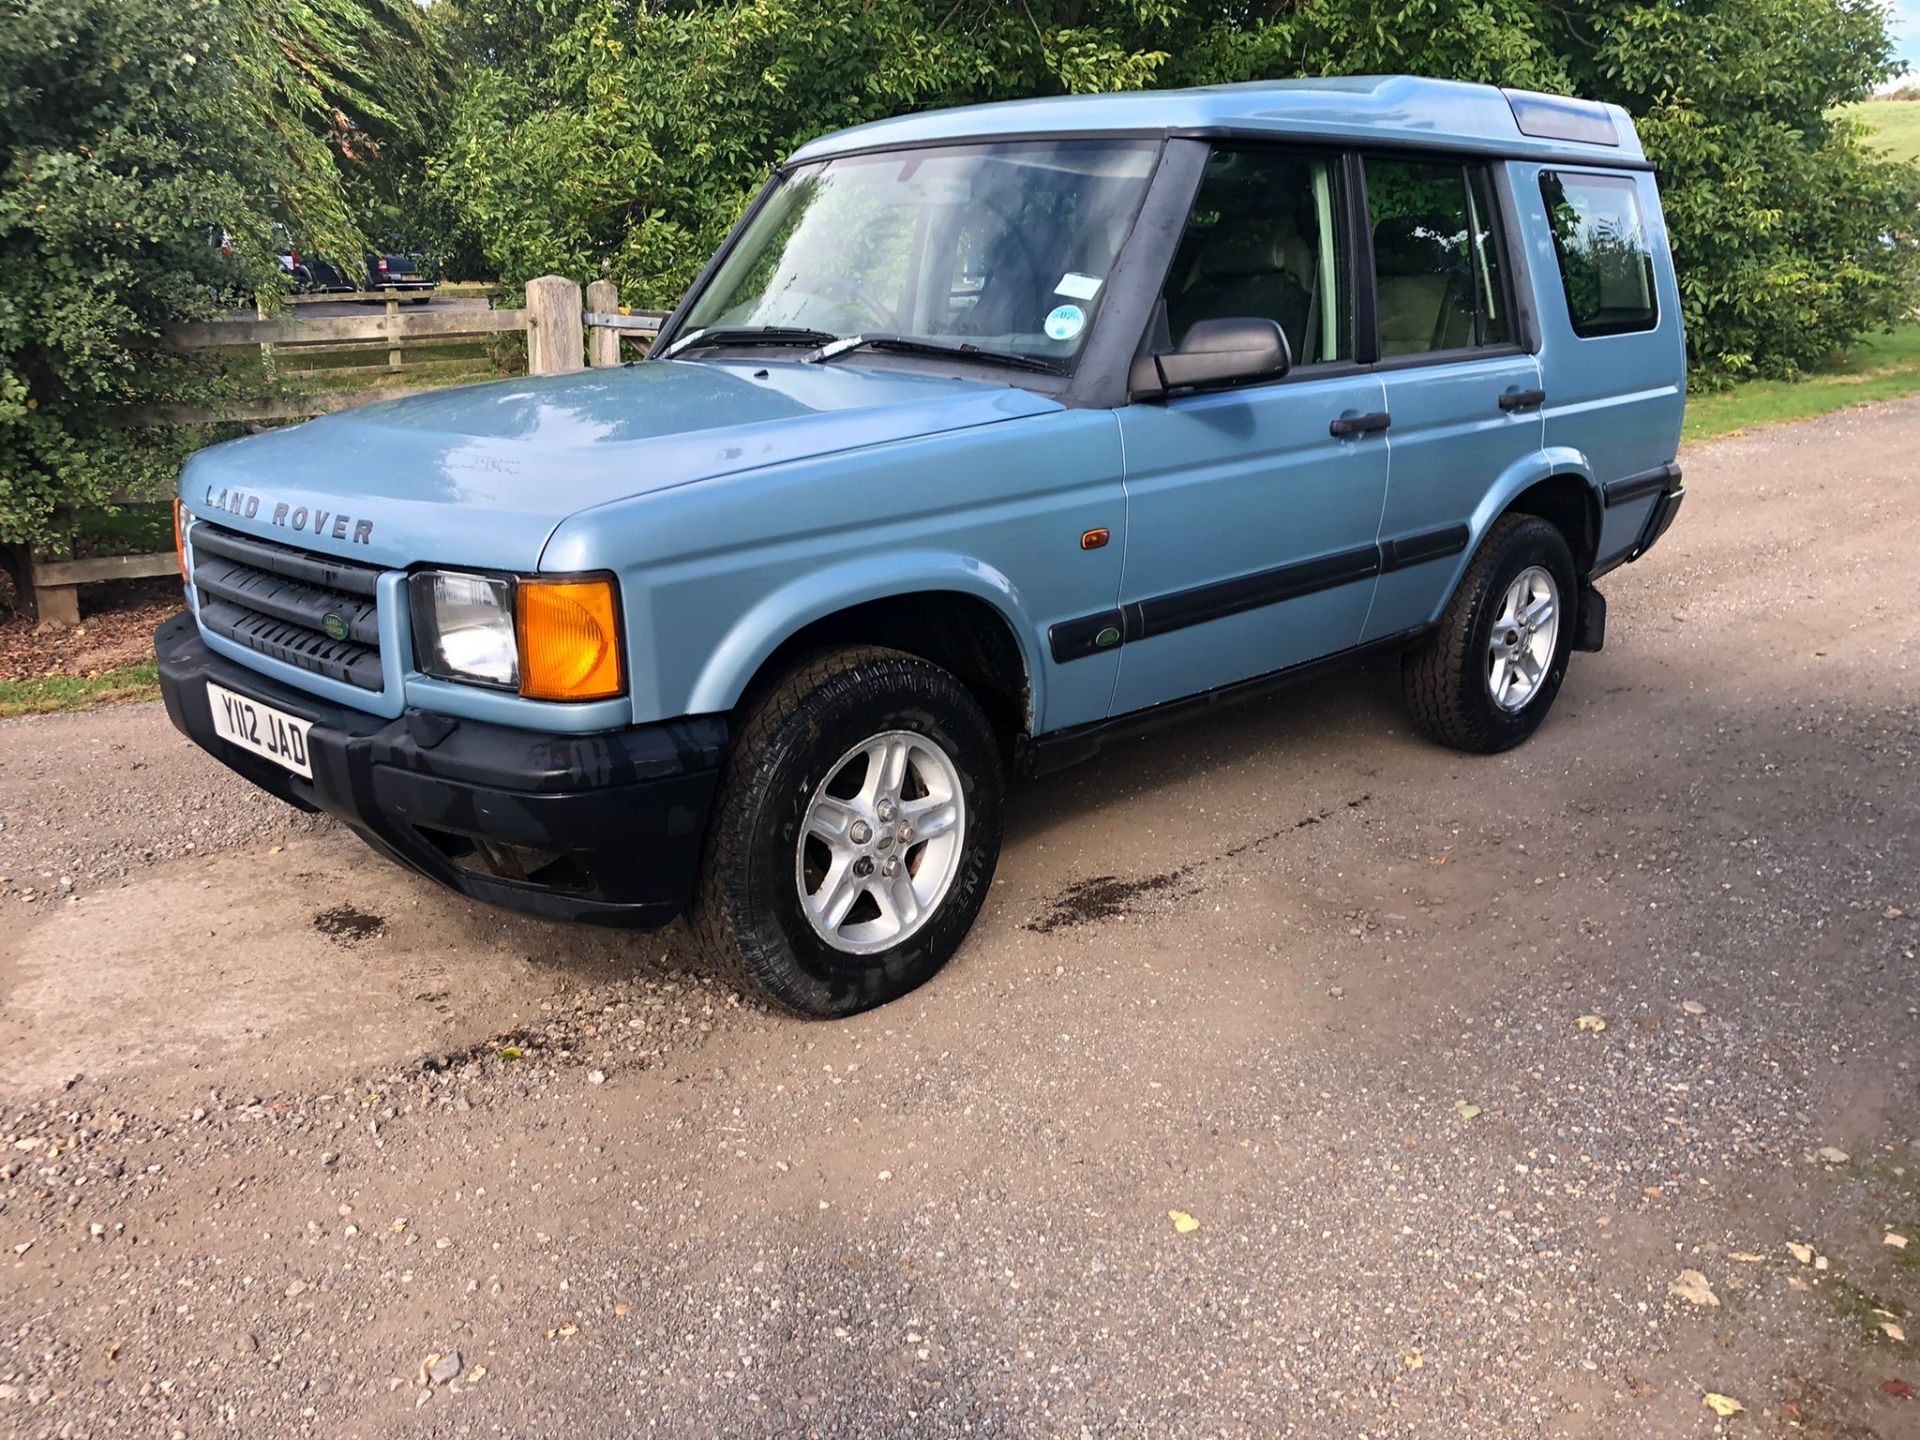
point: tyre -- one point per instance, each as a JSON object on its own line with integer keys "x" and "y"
{"x": 854, "y": 834}
{"x": 1486, "y": 677}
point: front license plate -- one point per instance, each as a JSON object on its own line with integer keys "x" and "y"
{"x": 281, "y": 737}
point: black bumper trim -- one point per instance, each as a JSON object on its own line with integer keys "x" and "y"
{"x": 620, "y": 818}
{"x": 1638, "y": 487}
{"x": 1660, "y": 519}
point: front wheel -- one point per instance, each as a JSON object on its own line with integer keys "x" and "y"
{"x": 854, "y": 835}
{"x": 1486, "y": 677}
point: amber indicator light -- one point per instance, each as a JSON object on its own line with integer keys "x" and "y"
{"x": 180, "y": 539}
{"x": 1095, "y": 539}
{"x": 569, "y": 639}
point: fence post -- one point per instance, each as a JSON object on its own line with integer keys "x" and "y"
{"x": 553, "y": 326}
{"x": 603, "y": 345}
{"x": 394, "y": 357}
{"x": 266, "y": 346}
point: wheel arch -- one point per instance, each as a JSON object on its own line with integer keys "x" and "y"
{"x": 956, "y": 612}
{"x": 1557, "y": 485}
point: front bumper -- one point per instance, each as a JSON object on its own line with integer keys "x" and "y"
{"x": 603, "y": 828}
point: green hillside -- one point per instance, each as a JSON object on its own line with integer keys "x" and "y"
{"x": 1895, "y": 123}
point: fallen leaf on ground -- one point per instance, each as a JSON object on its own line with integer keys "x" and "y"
{"x": 1183, "y": 1222}
{"x": 1802, "y": 1253}
{"x": 1898, "y": 1389}
{"x": 476, "y": 1373}
{"x": 1725, "y": 1406}
{"x": 1746, "y": 1257}
{"x": 1897, "y": 1241}
{"x": 1467, "y": 1112}
{"x": 1592, "y": 1024}
{"x": 1893, "y": 1331}
{"x": 1693, "y": 1007}
{"x": 1692, "y": 1287}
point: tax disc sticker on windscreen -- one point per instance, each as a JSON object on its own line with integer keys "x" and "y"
{"x": 1065, "y": 321}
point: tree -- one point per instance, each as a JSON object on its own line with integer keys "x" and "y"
{"x": 604, "y": 136}
{"x": 1791, "y": 236}
{"x": 153, "y": 153}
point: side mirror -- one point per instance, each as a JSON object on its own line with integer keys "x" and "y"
{"x": 1217, "y": 352}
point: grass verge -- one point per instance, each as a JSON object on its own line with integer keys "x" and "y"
{"x": 79, "y": 692}
{"x": 1895, "y": 125}
{"x": 1879, "y": 367}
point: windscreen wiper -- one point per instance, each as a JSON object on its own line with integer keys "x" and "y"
{"x": 749, "y": 335}
{"x": 914, "y": 345}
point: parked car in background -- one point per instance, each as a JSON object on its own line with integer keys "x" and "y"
{"x": 313, "y": 276}
{"x": 399, "y": 274}
{"x": 381, "y": 275}
{"x": 988, "y": 436}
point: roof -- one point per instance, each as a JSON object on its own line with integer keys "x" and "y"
{"x": 1370, "y": 108}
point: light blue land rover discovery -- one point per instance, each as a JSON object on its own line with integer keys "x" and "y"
{"x": 987, "y": 435}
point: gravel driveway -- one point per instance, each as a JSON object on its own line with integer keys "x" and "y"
{"x": 1300, "y": 1079}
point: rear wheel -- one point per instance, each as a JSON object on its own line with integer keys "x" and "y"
{"x": 854, "y": 835}
{"x": 1486, "y": 677}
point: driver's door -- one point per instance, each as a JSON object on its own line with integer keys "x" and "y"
{"x": 1253, "y": 511}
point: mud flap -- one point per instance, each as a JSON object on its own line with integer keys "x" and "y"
{"x": 1590, "y": 626}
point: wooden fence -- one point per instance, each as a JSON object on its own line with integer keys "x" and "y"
{"x": 563, "y": 334}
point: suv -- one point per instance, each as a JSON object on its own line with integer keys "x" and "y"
{"x": 987, "y": 435}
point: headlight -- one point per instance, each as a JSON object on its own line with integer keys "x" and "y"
{"x": 550, "y": 639}
{"x": 463, "y": 628}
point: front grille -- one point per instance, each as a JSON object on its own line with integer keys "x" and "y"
{"x": 275, "y": 599}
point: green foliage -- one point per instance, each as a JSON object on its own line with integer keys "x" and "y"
{"x": 622, "y": 137}
{"x": 1878, "y": 367}
{"x": 1791, "y": 236}
{"x": 141, "y": 138}
{"x": 594, "y": 137}
{"x": 1892, "y": 122}
{"x": 52, "y": 693}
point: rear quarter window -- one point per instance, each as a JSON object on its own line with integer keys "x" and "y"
{"x": 1606, "y": 265}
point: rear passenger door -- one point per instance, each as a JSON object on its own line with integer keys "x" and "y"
{"x": 1252, "y": 510}
{"x": 1464, "y": 395}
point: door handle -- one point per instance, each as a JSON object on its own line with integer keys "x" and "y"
{"x": 1513, "y": 400}
{"x": 1359, "y": 424}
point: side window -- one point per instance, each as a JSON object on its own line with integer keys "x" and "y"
{"x": 1605, "y": 262}
{"x": 1267, "y": 238}
{"x": 1436, "y": 261}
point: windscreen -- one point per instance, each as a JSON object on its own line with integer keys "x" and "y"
{"x": 1007, "y": 247}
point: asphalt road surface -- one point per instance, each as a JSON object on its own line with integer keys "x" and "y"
{"x": 1458, "y": 1066}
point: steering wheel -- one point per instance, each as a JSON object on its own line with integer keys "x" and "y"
{"x": 1010, "y": 230}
